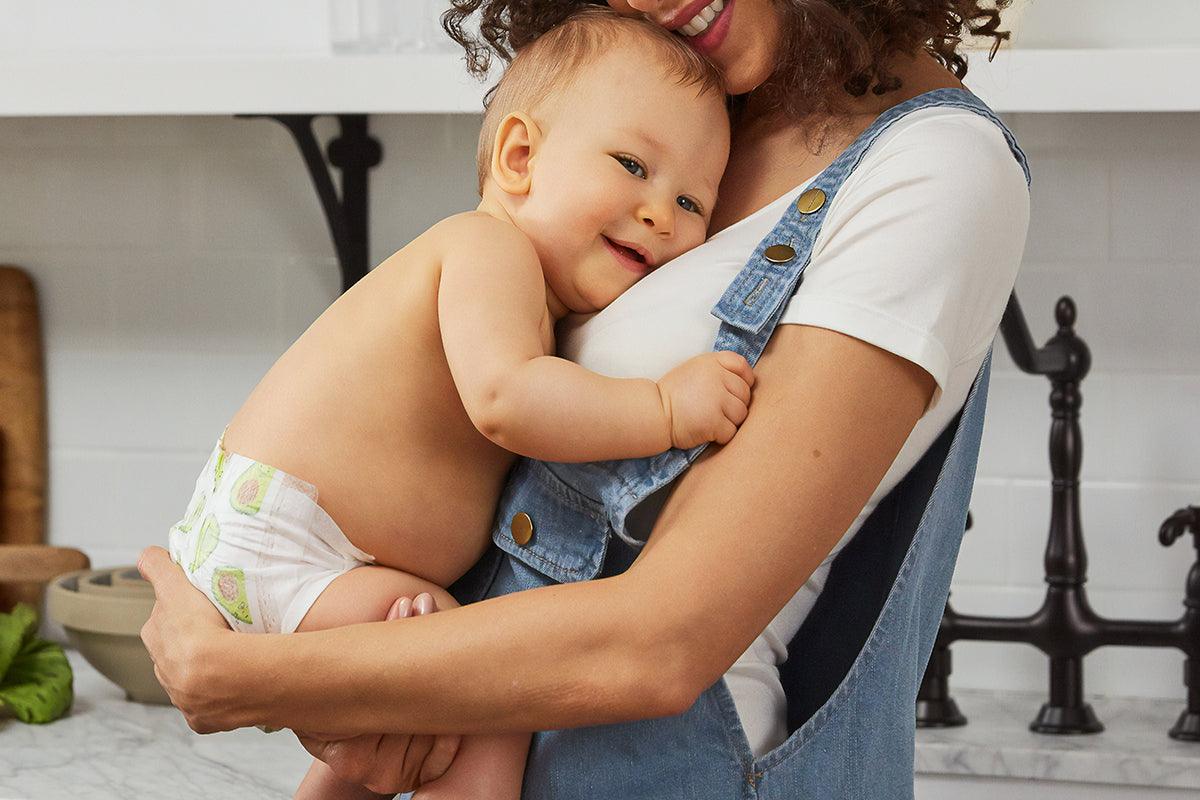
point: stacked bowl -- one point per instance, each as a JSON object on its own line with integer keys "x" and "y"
{"x": 102, "y": 612}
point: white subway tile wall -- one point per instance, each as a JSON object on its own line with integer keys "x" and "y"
{"x": 176, "y": 258}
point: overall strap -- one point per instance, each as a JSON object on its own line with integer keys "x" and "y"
{"x": 753, "y": 303}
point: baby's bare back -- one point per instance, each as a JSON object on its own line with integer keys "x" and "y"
{"x": 363, "y": 406}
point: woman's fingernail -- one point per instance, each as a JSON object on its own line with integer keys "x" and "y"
{"x": 392, "y": 610}
{"x": 404, "y": 607}
{"x": 424, "y": 604}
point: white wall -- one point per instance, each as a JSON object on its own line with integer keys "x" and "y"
{"x": 177, "y": 257}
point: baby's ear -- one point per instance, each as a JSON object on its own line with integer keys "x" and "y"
{"x": 517, "y": 139}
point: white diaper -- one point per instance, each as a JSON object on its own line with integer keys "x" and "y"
{"x": 256, "y": 542}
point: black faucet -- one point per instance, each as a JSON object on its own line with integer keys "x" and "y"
{"x": 1066, "y": 628}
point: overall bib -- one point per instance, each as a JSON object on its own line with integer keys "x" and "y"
{"x": 854, "y": 667}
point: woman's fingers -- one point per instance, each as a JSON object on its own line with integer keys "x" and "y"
{"x": 424, "y": 604}
{"x": 156, "y": 566}
{"x": 437, "y": 758}
{"x": 445, "y": 748}
{"x": 179, "y": 636}
{"x": 384, "y": 771}
{"x": 400, "y": 609}
{"x": 392, "y": 762}
{"x": 177, "y": 602}
{"x": 402, "y": 765}
{"x": 353, "y": 759}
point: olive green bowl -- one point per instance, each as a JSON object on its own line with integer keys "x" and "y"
{"x": 102, "y": 612}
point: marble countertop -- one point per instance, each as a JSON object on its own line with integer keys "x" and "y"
{"x": 108, "y": 747}
{"x": 1133, "y": 750}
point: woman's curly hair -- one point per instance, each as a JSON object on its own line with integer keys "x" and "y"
{"x": 831, "y": 49}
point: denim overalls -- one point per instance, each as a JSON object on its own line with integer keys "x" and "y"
{"x": 854, "y": 667}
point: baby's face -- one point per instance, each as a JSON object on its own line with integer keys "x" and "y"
{"x": 625, "y": 178}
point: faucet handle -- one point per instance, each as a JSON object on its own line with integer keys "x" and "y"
{"x": 1183, "y": 521}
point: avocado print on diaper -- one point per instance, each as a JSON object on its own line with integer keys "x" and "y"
{"x": 210, "y": 534}
{"x": 229, "y": 589}
{"x": 250, "y": 489}
{"x": 193, "y": 514}
{"x": 219, "y": 468}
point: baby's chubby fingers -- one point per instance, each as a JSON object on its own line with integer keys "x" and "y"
{"x": 725, "y": 432}
{"x": 737, "y": 387}
{"x": 736, "y": 363}
{"x": 735, "y": 410}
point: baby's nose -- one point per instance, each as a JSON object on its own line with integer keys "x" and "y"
{"x": 657, "y": 216}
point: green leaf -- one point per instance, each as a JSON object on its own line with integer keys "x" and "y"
{"x": 15, "y": 628}
{"x": 35, "y": 676}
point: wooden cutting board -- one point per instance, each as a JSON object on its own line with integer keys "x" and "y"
{"x": 22, "y": 426}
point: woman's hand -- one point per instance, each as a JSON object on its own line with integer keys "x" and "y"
{"x": 184, "y": 636}
{"x": 390, "y": 762}
{"x": 385, "y": 763}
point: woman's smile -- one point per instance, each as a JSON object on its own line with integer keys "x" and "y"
{"x": 706, "y": 28}
{"x": 746, "y": 51}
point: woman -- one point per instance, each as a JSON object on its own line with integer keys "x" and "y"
{"x": 827, "y": 528}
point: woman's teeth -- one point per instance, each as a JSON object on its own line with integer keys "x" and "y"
{"x": 699, "y": 23}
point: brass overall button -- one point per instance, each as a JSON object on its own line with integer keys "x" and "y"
{"x": 811, "y": 201}
{"x": 522, "y": 528}
{"x": 779, "y": 254}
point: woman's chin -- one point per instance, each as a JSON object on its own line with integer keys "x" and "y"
{"x": 735, "y": 88}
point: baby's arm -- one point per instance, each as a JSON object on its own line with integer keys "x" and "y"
{"x": 491, "y": 307}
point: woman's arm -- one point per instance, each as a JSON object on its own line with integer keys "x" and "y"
{"x": 741, "y": 532}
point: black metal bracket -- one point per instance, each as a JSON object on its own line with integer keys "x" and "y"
{"x": 354, "y": 152}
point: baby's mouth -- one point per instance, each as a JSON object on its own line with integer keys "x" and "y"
{"x": 628, "y": 251}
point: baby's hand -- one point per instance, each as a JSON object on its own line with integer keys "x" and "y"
{"x": 706, "y": 398}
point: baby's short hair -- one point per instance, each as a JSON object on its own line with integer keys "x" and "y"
{"x": 555, "y": 59}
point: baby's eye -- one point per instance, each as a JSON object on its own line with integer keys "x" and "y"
{"x": 688, "y": 204}
{"x": 631, "y": 164}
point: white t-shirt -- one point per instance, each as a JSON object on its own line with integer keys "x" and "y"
{"x": 918, "y": 255}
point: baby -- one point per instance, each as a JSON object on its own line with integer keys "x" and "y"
{"x": 397, "y": 413}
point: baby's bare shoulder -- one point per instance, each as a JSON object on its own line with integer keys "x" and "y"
{"x": 467, "y": 234}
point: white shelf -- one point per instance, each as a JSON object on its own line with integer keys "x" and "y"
{"x": 1018, "y": 80}
{"x": 1088, "y": 80}
{"x": 322, "y": 84}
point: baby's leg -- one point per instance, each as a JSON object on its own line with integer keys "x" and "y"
{"x": 485, "y": 767}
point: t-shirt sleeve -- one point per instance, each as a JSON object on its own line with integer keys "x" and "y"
{"x": 920, "y": 249}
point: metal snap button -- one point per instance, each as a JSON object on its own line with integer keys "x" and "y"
{"x": 521, "y": 528}
{"x": 779, "y": 254}
{"x": 811, "y": 201}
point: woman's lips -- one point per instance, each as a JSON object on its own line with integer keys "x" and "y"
{"x": 684, "y": 15}
{"x": 715, "y": 33}
{"x": 624, "y": 258}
